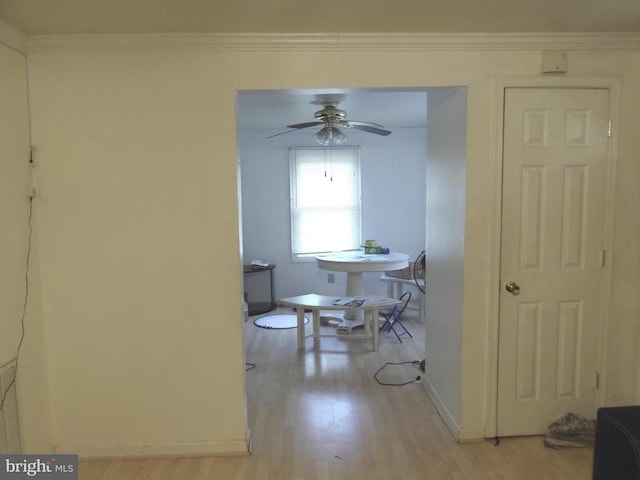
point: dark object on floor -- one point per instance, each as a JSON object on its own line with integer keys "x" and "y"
{"x": 572, "y": 430}
{"x": 392, "y": 318}
{"x": 402, "y": 382}
{"x": 617, "y": 452}
{"x": 256, "y": 308}
{"x": 278, "y": 321}
{"x": 306, "y": 310}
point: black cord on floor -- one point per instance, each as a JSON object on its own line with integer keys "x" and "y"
{"x": 416, "y": 363}
{"x": 3, "y": 399}
{"x": 249, "y": 366}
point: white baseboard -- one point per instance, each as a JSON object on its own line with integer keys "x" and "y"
{"x": 460, "y": 435}
{"x": 197, "y": 449}
{"x": 448, "y": 419}
{"x": 469, "y": 435}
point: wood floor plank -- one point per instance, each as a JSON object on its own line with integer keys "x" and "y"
{"x": 320, "y": 414}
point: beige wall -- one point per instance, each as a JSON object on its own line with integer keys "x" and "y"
{"x": 138, "y": 229}
{"x": 15, "y": 182}
{"x": 140, "y": 253}
{"x": 14, "y": 208}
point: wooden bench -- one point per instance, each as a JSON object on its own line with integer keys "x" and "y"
{"x": 316, "y": 303}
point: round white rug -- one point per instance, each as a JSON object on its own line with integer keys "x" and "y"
{"x": 278, "y": 320}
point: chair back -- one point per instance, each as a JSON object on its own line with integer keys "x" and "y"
{"x": 398, "y": 310}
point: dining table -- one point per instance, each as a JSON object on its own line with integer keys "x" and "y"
{"x": 355, "y": 264}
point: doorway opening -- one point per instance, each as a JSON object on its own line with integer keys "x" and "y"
{"x": 393, "y": 173}
{"x": 394, "y": 195}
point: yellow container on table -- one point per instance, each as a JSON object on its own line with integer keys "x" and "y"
{"x": 373, "y": 247}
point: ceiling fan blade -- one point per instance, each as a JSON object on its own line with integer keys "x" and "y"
{"x": 369, "y": 129}
{"x": 296, "y": 127}
{"x": 282, "y": 133}
{"x": 349, "y": 123}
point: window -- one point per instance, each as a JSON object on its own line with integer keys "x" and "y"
{"x": 325, "y": 200}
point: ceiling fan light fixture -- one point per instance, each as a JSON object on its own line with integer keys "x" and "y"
{"x": 330, "y": 136}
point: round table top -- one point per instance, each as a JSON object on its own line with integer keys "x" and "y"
{"x": 361, "y": 262}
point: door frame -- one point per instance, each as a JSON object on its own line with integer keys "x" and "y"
{"x": 613, "y": 84}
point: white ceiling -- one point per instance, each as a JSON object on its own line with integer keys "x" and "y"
{"x": 326, "y": 16}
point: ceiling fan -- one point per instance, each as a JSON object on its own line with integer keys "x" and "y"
{"x": 331, "y": 117}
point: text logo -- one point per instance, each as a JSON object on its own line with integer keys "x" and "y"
{"x": 44, "y": 467}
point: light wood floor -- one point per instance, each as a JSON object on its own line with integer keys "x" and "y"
{"x": 322, "y": 415}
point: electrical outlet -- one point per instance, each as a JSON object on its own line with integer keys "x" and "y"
{"x": 331, "y": 278}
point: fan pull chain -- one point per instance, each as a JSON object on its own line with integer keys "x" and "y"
{"x": 325, "y": 163}
{"x": 330, "y": 164}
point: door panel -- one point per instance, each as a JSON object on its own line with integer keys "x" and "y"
{"x": 553, "y": 211}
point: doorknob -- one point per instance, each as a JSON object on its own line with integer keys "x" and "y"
{"x": 512, "y": 287}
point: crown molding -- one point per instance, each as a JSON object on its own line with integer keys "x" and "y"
{"x": 182, "y": 42}
{"x": 499, "y": 41}
{"x": 333, "y": 42}
{"x": 13, "y": 38}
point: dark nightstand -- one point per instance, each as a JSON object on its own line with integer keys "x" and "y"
{"x": 256, "y": 308}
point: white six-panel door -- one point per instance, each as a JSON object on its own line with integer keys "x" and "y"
{"x": 553, "y": 210}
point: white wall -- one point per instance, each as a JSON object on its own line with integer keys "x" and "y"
{"x": 140, "y": 254}
{"x": 444, "y": 297}
{"x": 393, "y": 210}
{"x": 15, "y": 287}
{"x": 138, "y": 226}
{"x": 14, "y": 207}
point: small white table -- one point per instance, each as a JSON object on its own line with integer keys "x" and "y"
{"x": 315, "y": 303}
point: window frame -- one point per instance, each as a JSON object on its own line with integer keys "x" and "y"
{"x": 328, "y": 155}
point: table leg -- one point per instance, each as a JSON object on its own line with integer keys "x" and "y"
{"x": 354, "y": 284}
{"x": 300, "y": 318}
{"x": 316, "y": 325}
{"x": 368, "y": 327}
{"x": 374, "y": 326}
{"x": 354, "y": 289}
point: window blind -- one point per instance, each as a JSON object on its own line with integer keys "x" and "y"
{"x": 325, "y": 199}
